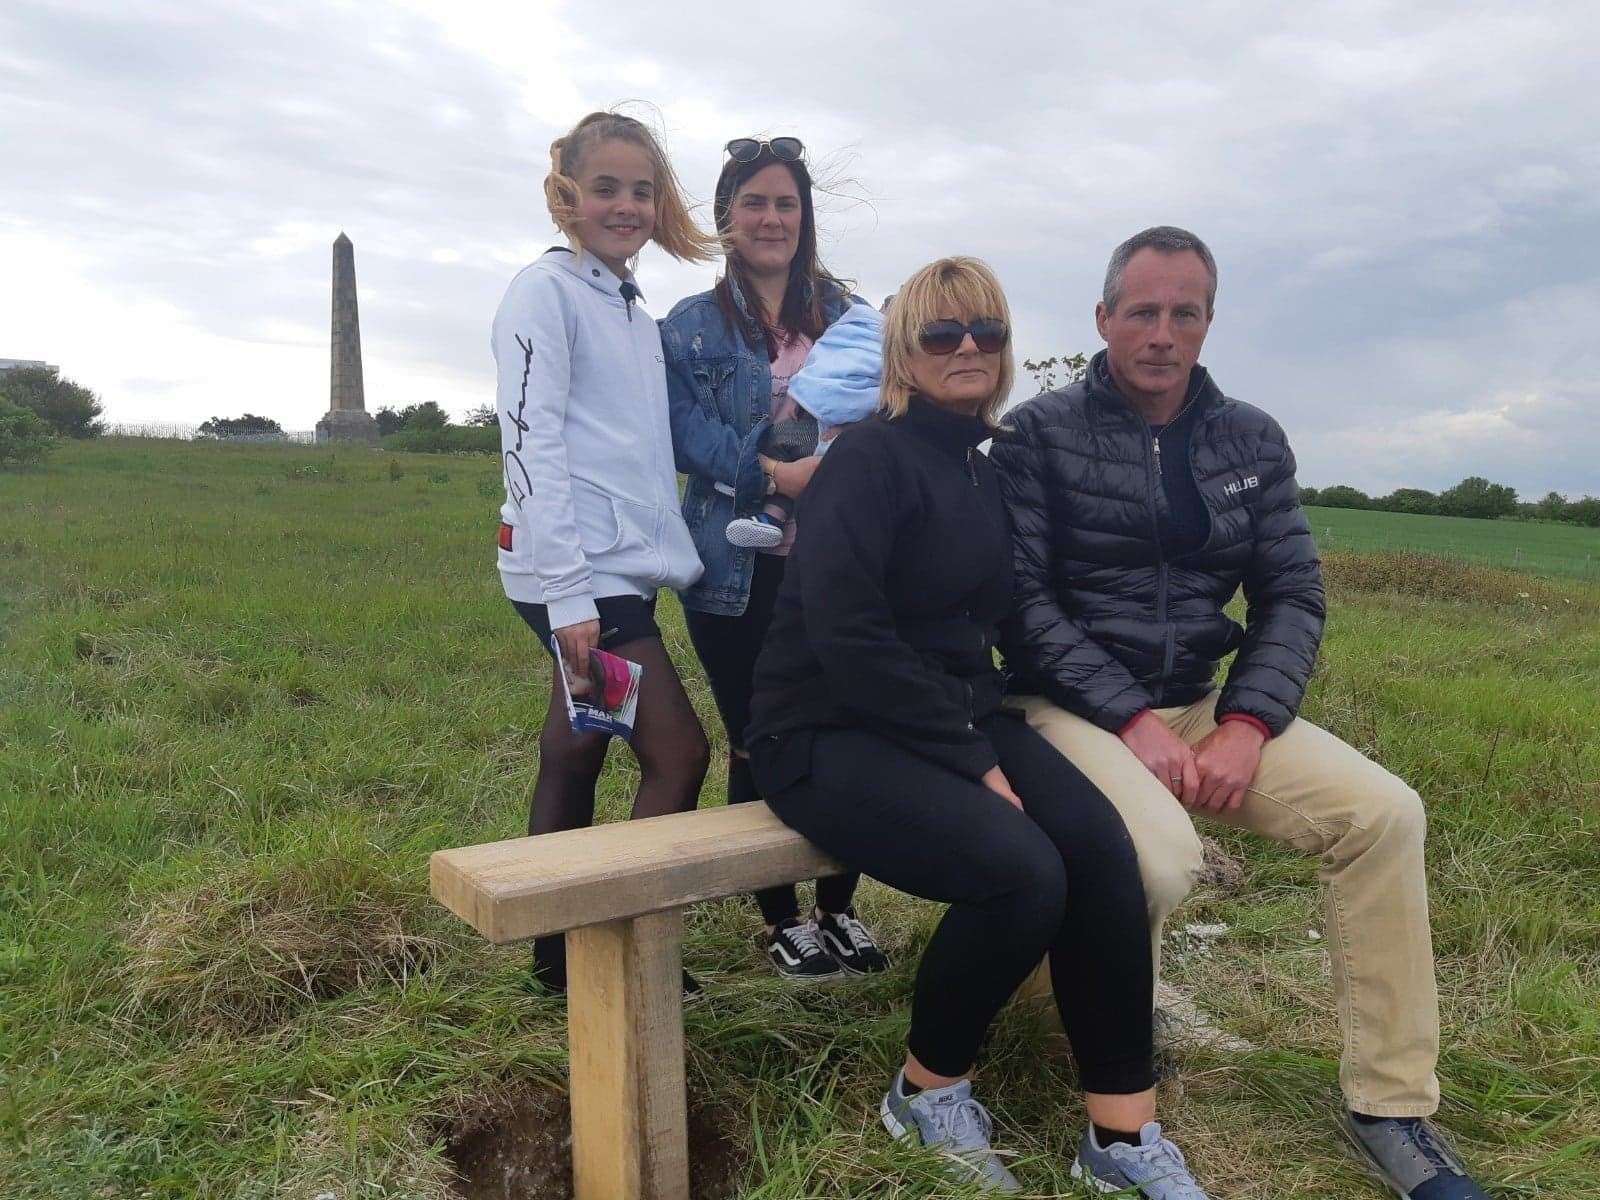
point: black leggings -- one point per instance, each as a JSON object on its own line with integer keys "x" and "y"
{"x": 667, "y": 740}
{"x": 728, "y": 647}
{"x": 1006, "y": 875}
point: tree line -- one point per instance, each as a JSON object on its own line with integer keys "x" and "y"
{"x": 1474, "y": 496}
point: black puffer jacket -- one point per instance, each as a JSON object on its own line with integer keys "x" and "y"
{"x": 1104, "y": 625}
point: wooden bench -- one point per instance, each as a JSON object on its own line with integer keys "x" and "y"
{"x": 619, "y": 891}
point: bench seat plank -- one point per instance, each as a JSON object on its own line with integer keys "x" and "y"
{"x": 527, "y": 886}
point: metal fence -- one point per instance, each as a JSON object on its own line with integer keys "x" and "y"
{"x": 189, "y": 433}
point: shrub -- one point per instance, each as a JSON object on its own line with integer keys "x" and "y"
{"x": 452, "y": 439}
{"x": 1585, "y": 512}
{"x": 1475, "y": 496}
{"x": 1343, "y": 496}
{"x": 427, "y": 415}
{"x": 24, "y": 438}
{"x": 69, "y": 409}
{"x": 1059, "y": 370}
{"x": 389, "y": 421}
{"x": 223, "y": 427}
{"x": 1408, "y": 500}
{"x": 484, "y": 415}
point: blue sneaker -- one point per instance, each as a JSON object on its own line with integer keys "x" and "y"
{"x": 1153, "y": 1169}
{"x": 950, "y": 1121}
{"x": 1411, "y": 1157}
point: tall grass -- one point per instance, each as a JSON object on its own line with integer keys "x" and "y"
{"x": 244, "y": 691}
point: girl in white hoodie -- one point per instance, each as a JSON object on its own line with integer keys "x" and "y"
{"x": 590, "y": 528}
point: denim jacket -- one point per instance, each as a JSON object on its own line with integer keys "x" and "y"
{"x": 719, "y": 397}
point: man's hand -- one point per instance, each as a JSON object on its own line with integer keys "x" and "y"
{"x": 1227, "y": 759}
{"x": 576, "y": 641}
{"x": 995, "y": 780}
{"x": 1166, "y": 755}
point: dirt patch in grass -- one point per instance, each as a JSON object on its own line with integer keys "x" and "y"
{"x": 241, "y": 947}
{"x": 519, "y": 1147}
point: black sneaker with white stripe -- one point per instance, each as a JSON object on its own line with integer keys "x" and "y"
{"x": 847, "y": 939}
{"x": 797, "y": 952}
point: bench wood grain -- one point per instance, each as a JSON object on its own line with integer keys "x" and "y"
{"x": 523, "y": 887}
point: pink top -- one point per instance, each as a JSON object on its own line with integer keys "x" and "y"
{"x": 792, "y": 353}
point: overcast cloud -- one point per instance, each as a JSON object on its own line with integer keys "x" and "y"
{"x": 1403, "y": 197}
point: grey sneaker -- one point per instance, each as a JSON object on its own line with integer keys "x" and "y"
{"x": 949, "y": 1120}
{"x": 1154, "y": 1167}
{"x": 1412, "y": 1158}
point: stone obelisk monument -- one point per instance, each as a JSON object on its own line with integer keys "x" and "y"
{"x": 347, "y": 419}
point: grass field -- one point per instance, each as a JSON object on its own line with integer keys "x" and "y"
{"x": 245, "y": 691}
{"x": 1544, "y": 547}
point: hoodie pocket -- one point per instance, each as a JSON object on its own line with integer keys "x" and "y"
{"x": 636, "y": 525}
{"x": 599, "y": 528}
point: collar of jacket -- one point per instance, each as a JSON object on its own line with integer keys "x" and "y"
{"x": 953, "y": 432}
{"x": 595, "y": 273}
{"x": 1103, "y": 389}
{"x": 833, "y": 304}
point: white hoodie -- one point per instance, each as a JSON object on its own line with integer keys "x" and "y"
{"x": 591, "y": 504}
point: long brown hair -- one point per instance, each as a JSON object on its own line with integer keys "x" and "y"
{"x": 675, "y": 230}
{"x": 804, "y": 307}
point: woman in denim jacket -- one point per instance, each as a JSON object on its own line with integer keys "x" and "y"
{"x": 730, "y": 352}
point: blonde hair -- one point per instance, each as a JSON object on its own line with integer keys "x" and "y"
{"x": 675, "y": 230}
{"x": 962, "y": 286}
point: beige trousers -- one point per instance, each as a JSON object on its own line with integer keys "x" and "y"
{"x": 1316, "y": 794}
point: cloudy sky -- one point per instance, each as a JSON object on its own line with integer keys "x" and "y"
{"x": 1403, "y": 196}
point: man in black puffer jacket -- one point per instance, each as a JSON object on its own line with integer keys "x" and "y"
{"x": 1142, "y": 499}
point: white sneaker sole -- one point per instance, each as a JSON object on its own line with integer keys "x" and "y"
{"x": 795, "y": 977}
{"x": 890, "y": 1122}
{"x": 1083, "y": 1175}
{"x": 841, "y": 954}
{"x": 752, "y": 535}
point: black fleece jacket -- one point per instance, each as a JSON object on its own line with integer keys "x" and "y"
{"x": 900, "y": 575}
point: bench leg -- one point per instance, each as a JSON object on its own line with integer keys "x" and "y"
{"x": 630, "y": 1135}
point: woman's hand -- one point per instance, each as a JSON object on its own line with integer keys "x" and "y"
{"x": 792, "y": 478}
{"x": 576, "y": 641}
{"x": 995, "y": 780}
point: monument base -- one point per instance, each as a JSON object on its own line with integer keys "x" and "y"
{"x": 347, "y": 425}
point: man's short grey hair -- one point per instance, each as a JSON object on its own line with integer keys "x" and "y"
{"x": 1167, "y": 239}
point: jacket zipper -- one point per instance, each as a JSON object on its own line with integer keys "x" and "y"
{"x": 1163, "y": 570}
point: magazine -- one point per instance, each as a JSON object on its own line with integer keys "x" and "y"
{"x": 613, "y": 698}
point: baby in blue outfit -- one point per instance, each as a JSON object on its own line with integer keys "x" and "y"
{"x": 837, "y": 385}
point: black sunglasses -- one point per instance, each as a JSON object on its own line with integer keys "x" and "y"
{"x": 989, "y": 335}
{"x": 784, "y": 149}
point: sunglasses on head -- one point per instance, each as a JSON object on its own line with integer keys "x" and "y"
{"x": 784, "y": 149}
{"x": 989, "y": 335}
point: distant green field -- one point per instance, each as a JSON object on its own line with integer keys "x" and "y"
{"x": 1546, "y": 548}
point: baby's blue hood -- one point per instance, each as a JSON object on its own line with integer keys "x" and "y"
{"x": 839, "y": 382}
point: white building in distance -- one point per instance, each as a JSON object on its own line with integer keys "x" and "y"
{"x": 22, "y": 364}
